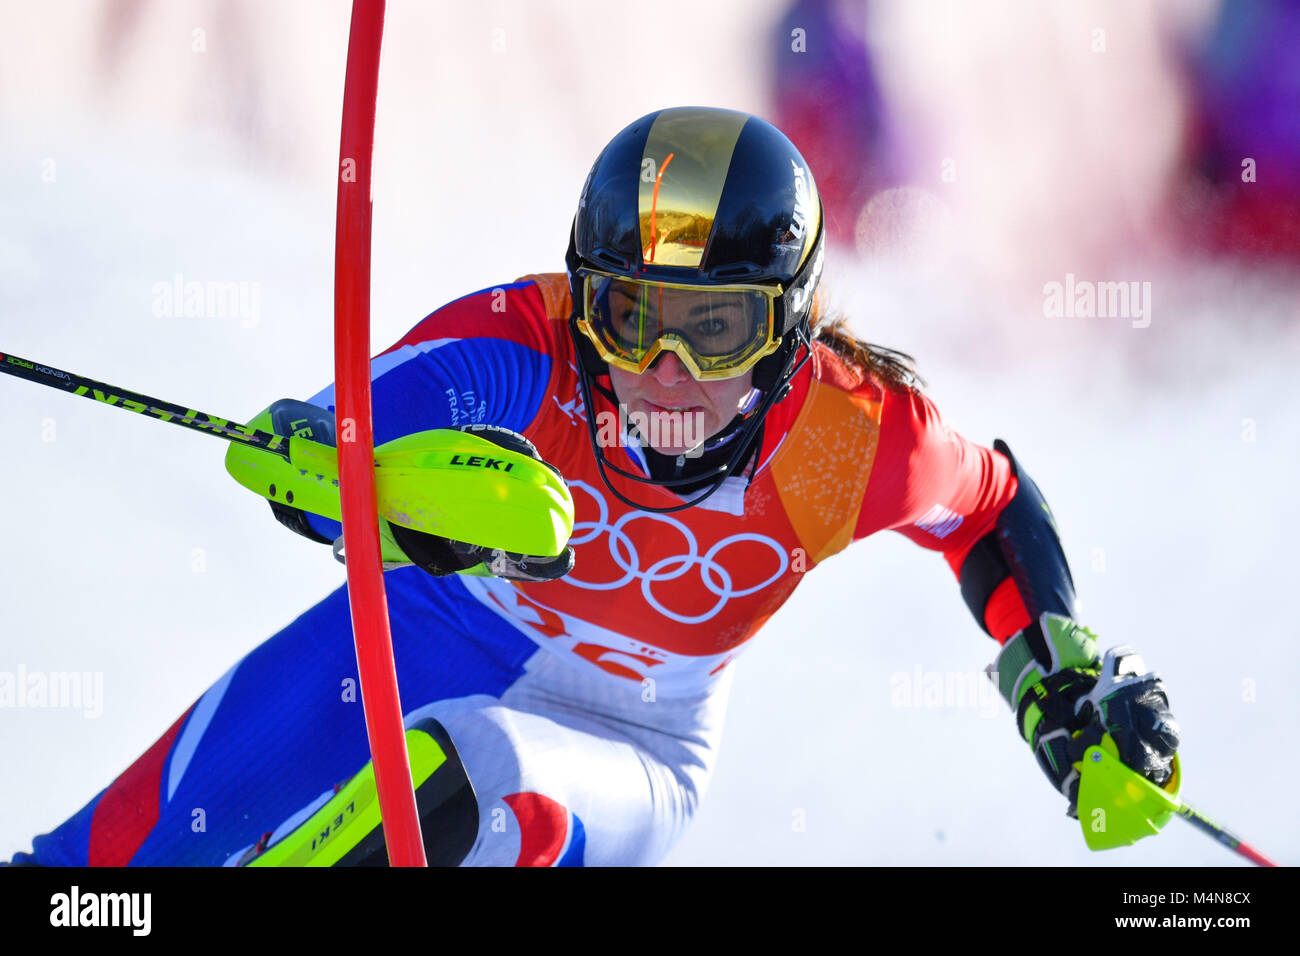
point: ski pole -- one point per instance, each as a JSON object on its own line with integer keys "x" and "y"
{"x": 231, "y": 431}
{"x": 1233, "y": 843}
{"x": 418, "y": 474}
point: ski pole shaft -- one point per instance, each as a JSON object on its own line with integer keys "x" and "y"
{"x": 1233, "y": 843}
{"x": 144, "y": 405}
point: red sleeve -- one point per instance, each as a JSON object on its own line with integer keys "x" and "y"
{"x": 942, "y": 491}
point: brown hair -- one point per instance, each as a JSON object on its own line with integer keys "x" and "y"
{"x": 894, "y": 368}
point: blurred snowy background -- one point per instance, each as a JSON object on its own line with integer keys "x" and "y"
{"x": 969, "y": 156}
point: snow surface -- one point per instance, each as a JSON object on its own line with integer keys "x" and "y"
{"x": 1170, "y": 454}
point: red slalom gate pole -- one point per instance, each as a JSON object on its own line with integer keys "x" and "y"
{"x": 379, "y": 697}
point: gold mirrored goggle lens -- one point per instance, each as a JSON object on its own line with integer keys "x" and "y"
{"x": 719, "y": 332}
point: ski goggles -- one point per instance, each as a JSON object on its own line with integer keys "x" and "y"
{"x": 718, "y": 332}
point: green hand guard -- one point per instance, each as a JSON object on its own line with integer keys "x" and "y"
{"x": 1096, "y": 727}
{"x": 445, "y": 482}
{"x": 1118, "y": 806}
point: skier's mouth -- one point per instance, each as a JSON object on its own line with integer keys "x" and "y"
{"x": 677, "y": 409}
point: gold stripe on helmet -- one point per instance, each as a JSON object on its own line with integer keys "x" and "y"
{"x": 683, "y": 169}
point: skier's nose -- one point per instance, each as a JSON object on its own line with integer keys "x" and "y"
{"x": 668, "y": 370}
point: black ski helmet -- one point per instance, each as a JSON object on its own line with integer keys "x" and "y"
{"x": 701, "y": 197}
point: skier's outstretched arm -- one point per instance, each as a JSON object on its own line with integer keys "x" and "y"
{"x": 981, "y": 509}
{"x": 476, "y": 364}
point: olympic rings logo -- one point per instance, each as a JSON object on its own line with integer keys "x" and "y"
{"x": 716, "y": 578}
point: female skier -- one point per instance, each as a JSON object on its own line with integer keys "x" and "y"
{"x": 720, "y": 438}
